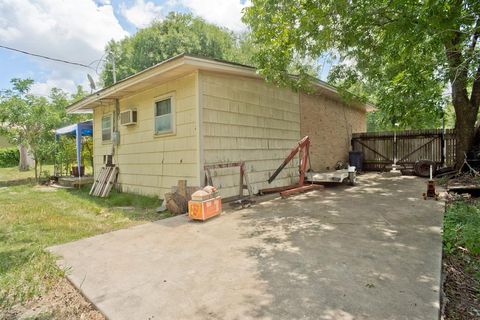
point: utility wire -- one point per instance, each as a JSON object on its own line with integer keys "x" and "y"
{"x": 48, "y": 58}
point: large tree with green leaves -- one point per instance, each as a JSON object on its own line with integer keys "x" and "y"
{"x": 29, "y": 120}
{"x": 407, "y": 53}
{"x": 176, "y": 34}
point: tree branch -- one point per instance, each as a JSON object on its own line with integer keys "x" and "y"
{"x": 475, "y": 96}
{"x": 458, "y": 71}
{"x": 476, "y": 34}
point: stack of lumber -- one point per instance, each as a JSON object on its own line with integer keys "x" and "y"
{"x": 104, "y": 182}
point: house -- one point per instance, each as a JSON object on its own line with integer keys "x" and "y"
{"x": 166, "y": 122}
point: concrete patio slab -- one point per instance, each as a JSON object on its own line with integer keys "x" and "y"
{"x": 367, "y": 252}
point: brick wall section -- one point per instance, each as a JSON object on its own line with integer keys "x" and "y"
{"x": 330, "y": 125}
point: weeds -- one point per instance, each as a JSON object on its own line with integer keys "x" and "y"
{"x": 462, "y": 259}
{"x": 462, "y": 228}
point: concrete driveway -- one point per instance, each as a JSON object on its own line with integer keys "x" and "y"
{"x": 367, "y": 252}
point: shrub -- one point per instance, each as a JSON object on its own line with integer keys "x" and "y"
{"x": 9, "y": 157}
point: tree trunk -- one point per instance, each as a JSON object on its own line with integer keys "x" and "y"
{"x": 466, "y": 109}
{"x": 23, "y": 164}
{"x": 465, "y": 130}
{"x": 36, "y": 170}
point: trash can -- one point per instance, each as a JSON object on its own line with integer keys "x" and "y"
{"x": 75, "y": 172}
{"x": 355, "y": 158}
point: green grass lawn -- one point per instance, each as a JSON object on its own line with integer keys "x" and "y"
{"x": 9, "y": 176}
{"x": 34, "y": 217}
{"x": 462, "y": 228}
{"x": 461, "y": 234}
{"x": 461, "y": 244}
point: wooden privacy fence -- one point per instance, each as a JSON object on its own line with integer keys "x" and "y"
{"x": 381, "y": 148}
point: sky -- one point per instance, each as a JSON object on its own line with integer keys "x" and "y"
{"x": 78, "y": 30}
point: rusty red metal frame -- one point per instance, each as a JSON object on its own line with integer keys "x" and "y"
{"x": 304, "y": 146}
{"x": 300, "y": 189}
{"x": 244, "y": 183}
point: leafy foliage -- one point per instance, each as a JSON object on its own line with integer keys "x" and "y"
{"x": 9, "y": 157}
{"x": 66, "y": 153}
{"x": 178, "y": 33}
{"x": 400, "y": 54}
{"x": 30, "y": 120}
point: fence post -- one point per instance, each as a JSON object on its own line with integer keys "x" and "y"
{"x": 442, "y": 146}
{"x": 394, "y": 147}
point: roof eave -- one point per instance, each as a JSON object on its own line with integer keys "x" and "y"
{"x": 200, "y": 63}
{"x": 109, "y": 92}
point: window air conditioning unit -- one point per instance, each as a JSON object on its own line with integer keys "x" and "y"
{"x": 128, "y": 117}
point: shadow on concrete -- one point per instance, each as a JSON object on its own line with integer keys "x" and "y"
{"x": 367, "y": 252}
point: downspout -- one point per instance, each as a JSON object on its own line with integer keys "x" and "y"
{"x": 200, "y": 150}
{"x": 116, "y": 139}
{"x": 116, "y": 133}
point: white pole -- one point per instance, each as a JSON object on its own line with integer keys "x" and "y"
{"x": 394, "y": 147}
{"x": 431, "y": 172}
{"x": 78, "y": 137}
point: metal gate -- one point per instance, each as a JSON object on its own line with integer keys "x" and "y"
{"x": 380, "y": 149}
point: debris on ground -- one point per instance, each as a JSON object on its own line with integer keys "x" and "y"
{"x": 464, "y": 184}
{"x": 177, "y": 201}
{"x": 465, "y": 179}
{"x": 451, "y": 197}
{"x": 461, "y": 290}
{"x": 62, "y": 302}
{"x": 242, "y": 203}
{"x": 446, "y": 172}
{"x": 461, "y": 260}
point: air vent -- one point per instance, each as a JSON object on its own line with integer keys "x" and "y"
{"x": 108, "y": 160}
{"x": 128, "y": 117}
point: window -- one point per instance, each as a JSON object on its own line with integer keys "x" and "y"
{"x": 107, "y": 128}
{"x": 163, "y": 116}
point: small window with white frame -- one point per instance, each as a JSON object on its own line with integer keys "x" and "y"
{"x": 107, "y": 128}
{"x": 164, "y": 115}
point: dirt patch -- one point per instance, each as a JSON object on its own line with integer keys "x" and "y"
{"x": 62, "y": 302}
{"x": 462, "y": 290}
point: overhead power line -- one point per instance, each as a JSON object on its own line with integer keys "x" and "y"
{"x": 48, "y": 58}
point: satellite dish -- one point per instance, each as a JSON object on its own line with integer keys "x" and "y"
{"x": 92, "y": 83}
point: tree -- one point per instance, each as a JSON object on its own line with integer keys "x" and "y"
{"x": 178, "y": 33}
{"x": 29, "y": 121}
{"x": 408, "y": 53}
{"x": 26, "y": 119}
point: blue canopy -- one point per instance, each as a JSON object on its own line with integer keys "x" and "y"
{"x": 85, "y": 128}
{"x": 78, "y": 130}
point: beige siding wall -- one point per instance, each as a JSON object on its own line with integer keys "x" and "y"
{"x": 151, "y": 164}
{"x": 329, "y": 124}
{"x": 247, "y": 119}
